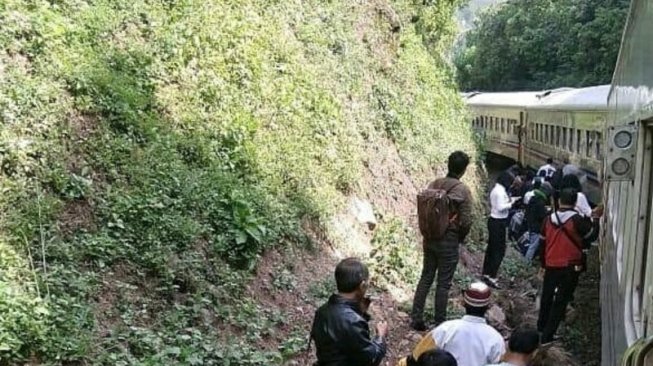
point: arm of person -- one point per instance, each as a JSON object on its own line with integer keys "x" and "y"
{"x": 364, "y": 350}
{"x": 583, "y": 206}
{"x": 587, "y": 228}
{"x": 500, "y": 200}
{"x": 465, "y": 210}
{"x": 542, "y": 248}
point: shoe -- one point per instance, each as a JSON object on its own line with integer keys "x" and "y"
{"x": 492, "y": 282}
{"x": 419, "y": 326}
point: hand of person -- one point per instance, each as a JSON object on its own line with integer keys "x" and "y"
{"x": 540, "y": 274}
{"x": 382, "y": 329}
{"x": 365, "y": 304}
{"x": 597, "y": 211}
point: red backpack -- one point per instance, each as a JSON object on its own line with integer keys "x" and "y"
{"x": 434, "y": 210}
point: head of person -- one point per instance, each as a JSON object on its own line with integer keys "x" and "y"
{"x": 477, "y": 299}
{"x": 566, "y": 161}
{"x": 505, "y": 179}
{"x": 435, "y": 357}
{"x": 547, "y": 188}
{"x": 523, "y": 343}
{"x": 457, "y": 164}
{"x": 549, "y": 161}
{"x": 530, "y": 175}
{"x": 568, "y": 197}
{"x": 571, "y": 181}
{"x": 537, "y": 183}
{"x": 352, "y": 278}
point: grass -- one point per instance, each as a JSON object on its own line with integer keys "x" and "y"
{"x": 150, "y": 151}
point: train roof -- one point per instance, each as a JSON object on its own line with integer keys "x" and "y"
{"x": 512, "y": 99}
{"x": 590, "y": 98}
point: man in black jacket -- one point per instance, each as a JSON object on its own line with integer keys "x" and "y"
{"x": 340, "y": 328}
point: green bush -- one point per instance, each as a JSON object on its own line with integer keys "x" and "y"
{"x": 151, "y": 150}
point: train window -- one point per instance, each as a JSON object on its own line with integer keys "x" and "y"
{"x": 578, "y": 140}
{"x": 540, "y": 128}
{"x": 588, "y": 143}
{"x": 491, "y": 123}
{"x": 597, "y": 144}
{"x": 563, "y": 141}
{"x": 539, "y": 132}
{"x": 557, "y": 136}
{"x": 546, "y": 134}
{"x": 515, "y": 127}
{"x": 503, "y": 125}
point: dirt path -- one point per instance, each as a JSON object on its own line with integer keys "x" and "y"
{"x": 313, "y": 273}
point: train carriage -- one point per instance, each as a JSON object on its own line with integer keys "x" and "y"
{"x": 627, "y": 238}
{"x": 529, "y": 127}
{"x": 500, "y": 118}
{"x": 568, "y": 124}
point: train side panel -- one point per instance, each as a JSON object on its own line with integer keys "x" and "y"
{"x": 627, "y": 238}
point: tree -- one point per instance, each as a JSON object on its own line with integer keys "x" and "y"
{"x": 541, "y": 44}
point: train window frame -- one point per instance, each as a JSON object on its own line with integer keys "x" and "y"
{"x": 588, "y": 143}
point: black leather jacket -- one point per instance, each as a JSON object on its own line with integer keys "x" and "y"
{"x": 342, "y": 335}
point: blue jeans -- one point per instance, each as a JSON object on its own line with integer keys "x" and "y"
{"x": 534, "y": 244}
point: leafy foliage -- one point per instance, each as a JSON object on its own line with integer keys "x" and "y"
{"x": 537, "y": 44}
{"x": 151, "y": 150}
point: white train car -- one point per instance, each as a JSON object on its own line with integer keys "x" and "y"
{"x": 500, "y": 118}
{"x": 627, "y": 238}
{"x": 568, "y": 124}
{"x": 529, "y": 127}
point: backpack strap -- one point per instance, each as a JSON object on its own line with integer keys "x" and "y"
{"x": 562, "y": 227}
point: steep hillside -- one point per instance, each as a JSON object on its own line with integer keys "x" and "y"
{"x": 151, "y": 151}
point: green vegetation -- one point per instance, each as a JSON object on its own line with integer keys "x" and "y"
{"x": 538, "y": 44}
{"x": 151, "y": 150}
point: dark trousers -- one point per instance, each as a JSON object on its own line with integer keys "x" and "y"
{"x": 496, "y": 246}
{"x": 441, "y": 257}
{"x": 554, "y": 304}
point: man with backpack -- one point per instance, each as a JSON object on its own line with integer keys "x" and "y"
{"x": 566, "y": 234}
{"x": 445, "y": 218}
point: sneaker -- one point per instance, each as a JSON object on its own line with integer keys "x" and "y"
{"x": 419, "y": 326}
{"x": 492, "y": 282}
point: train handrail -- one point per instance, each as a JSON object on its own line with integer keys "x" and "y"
{"x": 640, "y": 353}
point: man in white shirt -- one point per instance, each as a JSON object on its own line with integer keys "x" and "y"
{"x": 470, "y": 339}
{"x": 546, "y": 171}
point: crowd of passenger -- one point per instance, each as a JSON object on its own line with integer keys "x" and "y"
{"x": 545, "y": 213}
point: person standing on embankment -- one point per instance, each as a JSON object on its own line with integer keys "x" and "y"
{"x": 441, "y": 255}
{"x": 497, "y": 224}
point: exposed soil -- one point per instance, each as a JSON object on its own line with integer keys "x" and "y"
{"x": 516, "y": 304}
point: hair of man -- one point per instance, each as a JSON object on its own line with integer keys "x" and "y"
{"x": 568, "y": 197}
{"x": 476, "y": 311}
{"x": 434, "y": 357}
{"x": 457, "y": 163}
{"x": 524, "y": 341}
{"x": 571, "y": 181}
{"x": 350, "y": 273}
{"x": 505, "y": 179}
